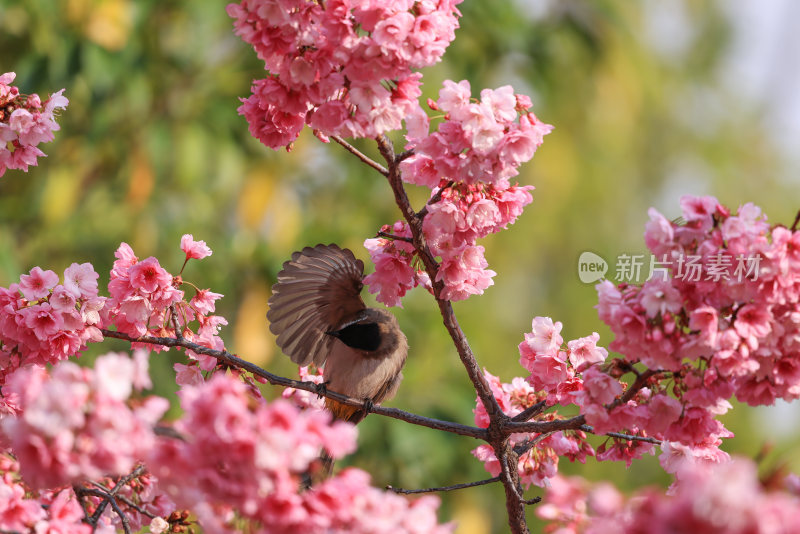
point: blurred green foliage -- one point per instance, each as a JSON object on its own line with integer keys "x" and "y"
{"x": 151, "y": 147}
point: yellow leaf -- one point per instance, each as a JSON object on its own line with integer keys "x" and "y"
{"x": 141, "y": 180}
{"x": 252, "y": 338}
{"x": 109, "y": 23}
{"x": 254, "y": 198}
{"x": 471, "y": 518}
{"x": 60, "y": 195}
{"x": 270, "y": 209}
{"x": 283, "y": 219}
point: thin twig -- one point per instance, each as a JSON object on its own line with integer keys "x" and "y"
{"x": 101, "y": 507}
{"x": 444, "y": 488}
{"x": 620, "y": 435}
{"x": 108, "y": 496}
{"x": 110, "y": 499}
{"x": 639, "y": 383}
{"x": 234, "y": 361}
{"x": 513, "y": 480}
{"x": 174, "y": 317}
{"x": 530, "y": 411}
{"x": 796, "y": 222}
{"x": 575, "y": 423}
{"x": 433, "y": 200}
{"x": 528, "y": 444}
{"x": 404, "y": 155}
{"x": 76, "y": 490}
{"x": 360, "y": 155}
{"x": 387, "y": 235}
{"x": 136, "y": 507}
{"x": 125, "y": 480}
{"x": 541, "y": 427}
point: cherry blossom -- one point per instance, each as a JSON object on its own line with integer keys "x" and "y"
{"x": 25, "y": 122}
{"x": 722, "y": 498}
{"x": 540, "y": 463}
{"x": 42, "y": 321}
{"x": 342, "y": 69}
{"x": 477, "y": 142}
{"x": 463, "y": 214}
{"x": 735, "y": 315}
{"x": 241, "y": 453}
{"x": 143, "y": 294}
{"x": 74, "y": 423}
{"x": 194, "y": 249}
{"x": 303, "y": 398}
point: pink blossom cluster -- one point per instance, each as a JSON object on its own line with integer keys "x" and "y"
{"x": 23, "y": 509}
{"x": 239, "y": 450}
{"x": 242, "y": 454}
{"x": 143, "y": 293}
{"x": 703, "y": 338}
{"x": 74, "y": 424}
{"x": 452, "y": 225}
{"x": 578, "y": 374}
{"x": 555, "y": 369}
{"x": 44, "y": 321}
{"x": 540, "y": 463}
{"x": 306, "y": 399}
{"x": 716, "y": 499}
{"x": 57, "y": 512}
{"x": 342, "y": 67}
{"x": 25, "y": 121}
{"x": 139, "y": 499}
{"x": 346, "y": 503}
{"x": 397, "y": 266}
{"x": 467, "y": 163}
{"x": 718, "y": 336}
{"x": 149, "y": 497}
{"x": 477, "y": 142}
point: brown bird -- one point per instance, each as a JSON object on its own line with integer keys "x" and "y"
{"x": 317, "y": 313}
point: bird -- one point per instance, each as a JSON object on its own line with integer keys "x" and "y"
{"x": 318, "y": 316}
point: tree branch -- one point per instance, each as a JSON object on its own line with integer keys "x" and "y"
{"x": 431, "y": 267}
{"x": 109, "y": 496}
{"x": 515, "y": 502}
{"x": 234, "y": 361}
{"x": 110, "y": 499}
{"x": 404, "y": 155}
{"x": 543, "y": 427}
{"x": 360, "y": 155}
{"x": 528, "y": 444}
{"x": 620, "y": 435}
{"x": 433, "y": 200}
{"x": 445, "y": 488}
{"x": 575, "y": 423}
{"x": 530, "y": 411}
{"x": 497, "y": 434}
{"x": 387, "y": 235}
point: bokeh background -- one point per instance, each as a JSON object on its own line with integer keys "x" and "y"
{"x": 650, "y": 100}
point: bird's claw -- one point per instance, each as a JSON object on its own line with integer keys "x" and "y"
{"x": 321, "y": 389}
{"x": 368, "y": 406}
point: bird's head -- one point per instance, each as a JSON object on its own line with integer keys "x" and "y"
{"x": 373, "y": 331}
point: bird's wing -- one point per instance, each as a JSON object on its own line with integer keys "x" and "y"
{"x": 317, "y": 291}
